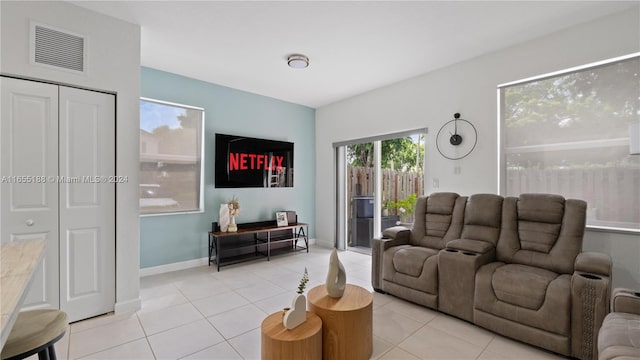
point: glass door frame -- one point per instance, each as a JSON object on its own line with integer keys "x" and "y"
{"x": 340, "y": 166}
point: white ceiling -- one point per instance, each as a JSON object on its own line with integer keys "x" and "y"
{"x": 353, "y": 47}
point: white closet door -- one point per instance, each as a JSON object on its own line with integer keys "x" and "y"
{"x": 29, "y": 169}
{"x": 87, "y": 203}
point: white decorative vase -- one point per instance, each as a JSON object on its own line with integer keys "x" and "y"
{"x": 336, "y": 277}
{"x": 223, "y": 219}
{"x": 297, "y": 314}
{"x": 232, "y": 225}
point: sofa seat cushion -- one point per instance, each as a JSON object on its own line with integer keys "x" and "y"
{"x": 410, "y": 261}
{"x": 415, "y": 267}
{"x": 552, "y": 315}
{"x": 522, "y": 285}
{"x": 619, "y": 336}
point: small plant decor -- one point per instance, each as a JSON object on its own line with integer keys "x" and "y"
{"x": 234, "y": 210}
{"x": 234, "y": 206}
{"x": 405, "y": 207}
{"x": 303, "y": 282}
{"x": 297, "y": 314}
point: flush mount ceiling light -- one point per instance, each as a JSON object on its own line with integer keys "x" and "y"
{"x": 298, "y": 61}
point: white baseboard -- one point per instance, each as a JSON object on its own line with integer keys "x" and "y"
{"x": 127, "y": 306}
{"x": 325, "y": 244}
{"x": 161, "y": 269}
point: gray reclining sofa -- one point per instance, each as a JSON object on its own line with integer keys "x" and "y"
{"x": 511, "y": 265}
{"x": 619, "y": 336}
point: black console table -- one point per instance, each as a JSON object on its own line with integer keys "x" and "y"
{"x": 256, "y": 240}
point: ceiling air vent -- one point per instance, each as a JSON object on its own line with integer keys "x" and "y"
{"x": 57, "y": 48}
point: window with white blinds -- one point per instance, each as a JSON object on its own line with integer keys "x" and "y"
{"x": 171, "y": 167}
{"x": 571, "y": 134}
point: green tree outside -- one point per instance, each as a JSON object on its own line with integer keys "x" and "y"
{"x": 401, "y": 154}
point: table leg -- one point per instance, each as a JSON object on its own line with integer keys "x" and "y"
{"x": 209, "y": 249}
{"x": 303, "y": 233}
{"x": 218, "y": 253}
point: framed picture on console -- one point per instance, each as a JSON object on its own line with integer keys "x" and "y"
{"x": 292, "y": 217}
{"x": 281, "y": 218}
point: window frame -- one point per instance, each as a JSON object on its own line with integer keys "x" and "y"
{"x": 201, "y": 203}
{"x": 502, "y": 153}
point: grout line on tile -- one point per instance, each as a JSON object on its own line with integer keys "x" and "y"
{"x": 233, "y": 337}
{"x": 413, "y": 333}
{"x": 146, "y": 338}
{"x": 456, "y": 336}
{"x": 493, "y": 337}
{"x": 216, "y": 329}
{"x": 141, "y": 326}
{"x": 88, "y": 356}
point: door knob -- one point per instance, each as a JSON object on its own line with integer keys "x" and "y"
{"x": 29, "y": 222}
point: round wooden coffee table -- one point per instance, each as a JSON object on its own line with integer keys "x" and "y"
{"x": 347, "y": 322}
{"x": 303, "y": 342}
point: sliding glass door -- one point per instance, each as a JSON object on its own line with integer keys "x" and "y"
{"x": 377, "y": 184}
{"x": 361, "y": 186}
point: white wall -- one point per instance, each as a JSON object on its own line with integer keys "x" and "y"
{"x": 113, "y": 65}
{"x": 470, "y": 87}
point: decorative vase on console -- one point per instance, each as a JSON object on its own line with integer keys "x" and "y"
{"x": 223, "y": 219}
{"x": 232, "y": 224}
{"x": 233, "y": 207}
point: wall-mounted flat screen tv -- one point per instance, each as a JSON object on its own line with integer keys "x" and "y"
{"x": 249, "y": 162}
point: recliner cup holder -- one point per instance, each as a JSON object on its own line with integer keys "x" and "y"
{"x": 451, "y": 250}
{"x": 591, "y": 277}
{"x": 469, "y": 253}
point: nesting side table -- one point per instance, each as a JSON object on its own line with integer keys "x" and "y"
{"x": 302, "y": 343}
{"x": 347, "y": 322}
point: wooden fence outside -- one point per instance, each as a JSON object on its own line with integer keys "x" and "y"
{"x": 396, "y": 185}
{"x": 612, "y": 194}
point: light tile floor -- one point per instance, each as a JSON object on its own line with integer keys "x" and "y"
{"x": 200, "y": 313}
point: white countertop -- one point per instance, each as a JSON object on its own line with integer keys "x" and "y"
{"x": 18, "y": 262}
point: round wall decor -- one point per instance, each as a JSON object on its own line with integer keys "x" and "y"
{"x": 456, "y": 138}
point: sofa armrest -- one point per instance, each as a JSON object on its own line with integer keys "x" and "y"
{"x": 593, "y": 263}
{"x": 475, "y": 246}
{"x": 590, "y": 301}
{"x": 400, "y": 233}
{"x": 458, "y": 263}
{"x": 393, "y": 236}
{"x": 625, "y": 300}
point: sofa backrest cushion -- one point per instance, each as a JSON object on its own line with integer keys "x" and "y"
{"x": 539, "y": 221}
{"x": 542, "y": 230}
{"x": 438, "y": 219}
{"x": 482, "y": 218}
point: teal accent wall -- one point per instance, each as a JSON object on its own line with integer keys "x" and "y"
{"x": 166, "y": 239}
